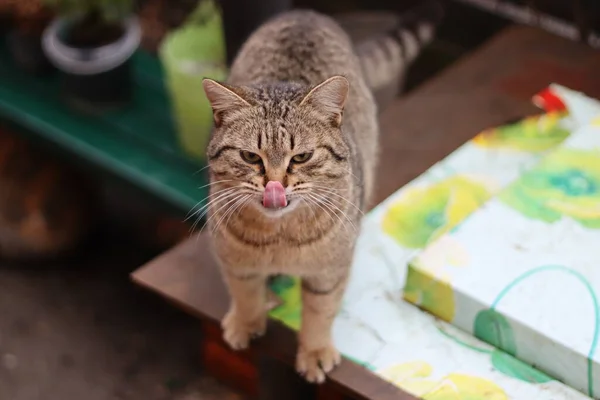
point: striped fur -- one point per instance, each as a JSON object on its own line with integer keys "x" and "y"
{"x": 388, "y": 56}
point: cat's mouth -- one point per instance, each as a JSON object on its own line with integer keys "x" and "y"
{"x": 274, "y": 196}
{"x": 271, "y": 212}
{"x": 288, "y": 201}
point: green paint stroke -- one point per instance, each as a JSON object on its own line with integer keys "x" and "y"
{"x": 564, "y": 184}
{"x": 591, "y": 292}
{"x": 515, "y": 368}
{"x": 281, "y": 283}
{"x": 493, "y": 328}
{"x": 505, "y": 363}
{"x": 289, "y": 291}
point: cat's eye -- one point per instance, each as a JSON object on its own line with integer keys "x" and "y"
{"x": 249, "y": 157}
{"x": 302, "y": 158}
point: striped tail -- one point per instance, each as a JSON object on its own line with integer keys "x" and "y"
{"x": 385, "y": 58}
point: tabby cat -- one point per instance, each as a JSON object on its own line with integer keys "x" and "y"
{"x": 292, "y": 164}
{"x": 44, "y": 207}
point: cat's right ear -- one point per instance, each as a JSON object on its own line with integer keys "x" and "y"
{"x": 329, "y": 97}
{"x": 222, "y": 99}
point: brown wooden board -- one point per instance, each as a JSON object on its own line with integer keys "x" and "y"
{"x": 489, "y": 87}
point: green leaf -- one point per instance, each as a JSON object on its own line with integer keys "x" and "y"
{"x": 493, "y": 328}
{"x": 514, "y": 368}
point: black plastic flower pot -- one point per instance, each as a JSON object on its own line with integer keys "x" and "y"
{"x": 104, "y": 90}
{"x": 94, "y": 78}
{"x": 26, "y": 52}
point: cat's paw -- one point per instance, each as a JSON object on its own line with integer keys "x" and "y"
{"x": 238, "y": 332}
{"x": 315, "y": 364}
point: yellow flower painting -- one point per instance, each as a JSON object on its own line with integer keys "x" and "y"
{"x": 533, "y": 134}
{"x": 415, "y": 378}
{"x": 422, "y": 214}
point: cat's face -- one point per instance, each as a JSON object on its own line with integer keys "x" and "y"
{"x": 277, "y": 148}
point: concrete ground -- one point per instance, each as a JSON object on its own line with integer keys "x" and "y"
{"x": 80, "y": 330}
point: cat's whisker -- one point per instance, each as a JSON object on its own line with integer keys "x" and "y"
{"x": 314, "y": 216}
{"x": 201, "y": 169}
{"x": 351, "y": 173}
{"x": 336, "y": 207}
{"x": 344, "y": 213}
{"x": 329, "y": 191}
{"x": 321, "y": 199}
{"x": 216, "y": 212}
{"x": 310, "y": 200}
{"x": 240, "y": 205}
{"x": 229, "y": 210}
{"x": 215, "y": 201}
{"x": 219, "y": 192}
{"x": 193, "y": 209}
{"x": 251, "y": 189}
{"x": 215, "y": 182}
{"x": 312, "y": 183}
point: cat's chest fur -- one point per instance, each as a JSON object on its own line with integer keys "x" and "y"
{"x": 281, "y": 258}
{"x": 294, "y": 246}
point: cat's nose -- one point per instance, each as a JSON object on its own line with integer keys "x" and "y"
{"x": 275, "y": 175}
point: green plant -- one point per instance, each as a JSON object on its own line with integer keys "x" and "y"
{"x": 107, "y": 10}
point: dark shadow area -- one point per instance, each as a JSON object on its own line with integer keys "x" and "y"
{"x": 79, "y": 329}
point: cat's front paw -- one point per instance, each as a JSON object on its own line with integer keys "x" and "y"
{"x": 238, "y": 332}
{"x": 315, "y": 364}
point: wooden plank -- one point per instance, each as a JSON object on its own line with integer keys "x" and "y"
{"x": 491, "y": 86}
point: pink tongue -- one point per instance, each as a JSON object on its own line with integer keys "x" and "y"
{"x": 274, "y": 195}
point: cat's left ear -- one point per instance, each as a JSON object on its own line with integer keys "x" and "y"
{"x": 222, "y": 99}
{"x": 329, "y": 97}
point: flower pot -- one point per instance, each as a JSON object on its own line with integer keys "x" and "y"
{"x": 26, "y": 51}
{"x": 189, "y": 54}
{"x": 93, "y": 77}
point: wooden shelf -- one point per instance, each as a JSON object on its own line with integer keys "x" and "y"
{"x": 137, "y": 143}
